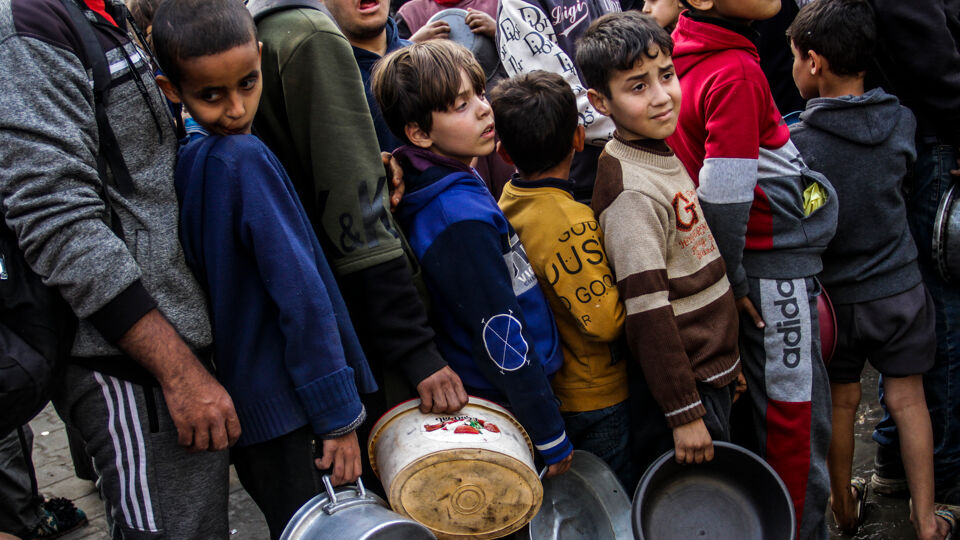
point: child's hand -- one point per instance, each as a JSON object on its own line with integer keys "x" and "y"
{"x": 341, "y": 454}
{"x": 745, "y": 306}
{"x": 560, "y": 467}
{"x": 692, "y": 442}
{"x": 395, "y": 174}
{"x": 434, "y": 30}
{"x": 740, "y": 388}
{"x": 481, "y": 23}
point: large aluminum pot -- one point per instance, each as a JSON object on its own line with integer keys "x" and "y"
{"x": 351, "y": 513}
{"x": 469, "y": 475}
{"x": 587, "y": 502}
{"x": 946, "y": 235}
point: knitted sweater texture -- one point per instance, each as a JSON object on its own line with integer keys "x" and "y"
{"x": 681, "y": 319}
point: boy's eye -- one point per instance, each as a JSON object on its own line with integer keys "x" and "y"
{"x": 639, "y": 87}
{"x": 461, "y": 105}
{"x": 248, "y": 83}
{"x": 210, "y": 96}
{"x": 668, "y": 75}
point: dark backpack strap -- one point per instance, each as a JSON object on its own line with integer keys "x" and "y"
{"x": 109, "y": 154}
{"x": 109, "y": 157}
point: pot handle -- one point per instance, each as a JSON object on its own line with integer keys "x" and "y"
{"x": 335, "y": 505}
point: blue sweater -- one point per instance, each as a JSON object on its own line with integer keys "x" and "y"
{"x": 493, "y": 324}
{"x": 285, "y": 349}
{"x": 365, "y": 61}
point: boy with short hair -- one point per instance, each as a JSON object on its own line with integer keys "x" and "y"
{"x": 864, "y": 142}
{"x": 537, "y": 123}
{"x": 493, "y": 324}
{"x": 681, "y": 321}
{"x": 772, "y": 218}
{"x": 285, "y": 348}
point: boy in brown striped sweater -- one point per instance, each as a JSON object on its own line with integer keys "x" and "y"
{"x": 681, "y": 319}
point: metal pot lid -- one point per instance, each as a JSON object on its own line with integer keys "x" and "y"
{"x": 586, "y": 502}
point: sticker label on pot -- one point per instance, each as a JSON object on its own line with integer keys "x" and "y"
{"x": 467, "y": 429}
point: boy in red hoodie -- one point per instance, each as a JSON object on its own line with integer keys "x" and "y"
{"x": 771, "y": 217}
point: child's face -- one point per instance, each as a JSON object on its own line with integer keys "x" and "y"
{"x": 644, "y": 102}
{"x": 665, "y": 12}
{"x": 741, "y": 10}
{"x": 803, "y": 74}
{"x": 465, "y": 130}
{"x": 221, "y": 91}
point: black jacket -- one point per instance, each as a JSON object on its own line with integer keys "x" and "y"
{"x": 918, "y": 59}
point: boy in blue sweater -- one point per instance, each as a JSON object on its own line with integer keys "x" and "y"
{"x": 493, "y": 324}
{"x": 285, "y": 348}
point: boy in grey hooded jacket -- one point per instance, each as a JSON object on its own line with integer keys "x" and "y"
{"x": 864, "y": 143}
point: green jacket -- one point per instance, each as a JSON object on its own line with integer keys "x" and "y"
{"x": 314, "y": 116}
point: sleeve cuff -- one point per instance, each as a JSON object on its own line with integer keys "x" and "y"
{"x": 556, "y": 450}
{"x": 331, "y": 402}
{"x": 686, "y": 414}
{"x": 352, "y": 426}
{"x": 120, "y": 314}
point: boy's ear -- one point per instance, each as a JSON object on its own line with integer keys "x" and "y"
{"x": 599, "y": 102}
{"x": 579, "y": 138}
{"x": 502, "y": 152}
{"x": 168, "y": 88}
{"x": 817, "y": 63}
{"x": 701, "y": 5}
{"x": 417, "y": 136}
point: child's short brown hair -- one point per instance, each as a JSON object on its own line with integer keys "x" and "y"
{"x": 413, "y": 82}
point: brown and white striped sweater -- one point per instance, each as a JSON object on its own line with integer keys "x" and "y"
{"x": 681, "y": 321}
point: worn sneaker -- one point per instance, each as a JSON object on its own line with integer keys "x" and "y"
{"x": 60, "y": 517}
{"x": 888, "y": 476}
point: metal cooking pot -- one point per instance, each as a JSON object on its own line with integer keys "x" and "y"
{"x": 734, "y": 496}
{"x": 587, "y": 502}
{"x": 351, "y": 513}
{"x": 946, "y": 235}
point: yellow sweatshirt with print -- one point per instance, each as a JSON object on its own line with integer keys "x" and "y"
{"x": 565, "y": 246}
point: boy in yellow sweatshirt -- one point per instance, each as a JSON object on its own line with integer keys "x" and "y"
{"x": 537, "y": 121}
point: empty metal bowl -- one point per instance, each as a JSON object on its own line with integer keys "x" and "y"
{"x": 734, "y": 496}
{"x": 587, "y": 502}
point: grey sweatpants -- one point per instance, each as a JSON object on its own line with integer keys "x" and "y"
{"x": 20, "y": 507}
{"x": 151, "y": 486}
{"x": 788, "y": 388}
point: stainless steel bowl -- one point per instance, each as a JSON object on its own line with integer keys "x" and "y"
{"x": 587, "y": 502}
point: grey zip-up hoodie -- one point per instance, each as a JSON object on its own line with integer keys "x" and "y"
{"x": 865, "y": 146}
{"x": 50, "y": 189}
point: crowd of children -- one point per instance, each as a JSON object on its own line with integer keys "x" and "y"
{"x": 616, "y": 300}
